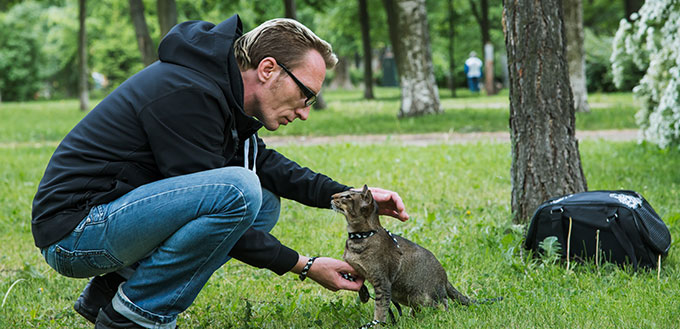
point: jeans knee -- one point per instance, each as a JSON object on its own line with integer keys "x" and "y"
{"x": 247, "y": 184}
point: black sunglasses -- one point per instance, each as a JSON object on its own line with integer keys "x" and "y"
{"x": 311, "y": 96}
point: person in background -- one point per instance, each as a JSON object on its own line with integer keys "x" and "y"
{"x": 473, "y": 71}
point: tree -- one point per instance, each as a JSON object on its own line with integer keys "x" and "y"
{"x": 651, "y": 43}
{"x": 146, "y": 46}
{"x": 367, "y": 50}
{"x": 451, "y": 35}
{"x": 167, "y": 15}
{"x": 576, "y": 55}
{"x": 545, "y": 155}
{"x": 410, "y": 38}
{"x": 83, "y": 77}
{"x": 291, "y": 11}
{"x": 482, "y": 17}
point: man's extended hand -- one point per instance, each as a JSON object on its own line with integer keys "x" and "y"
{"x": 389, "y": 203}
{"x": 328, "y": 273}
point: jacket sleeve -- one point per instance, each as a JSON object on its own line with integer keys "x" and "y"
{"x": 185, "y": 131}
{"x": 289, "y": 180}
{"x": 261, "y": 249}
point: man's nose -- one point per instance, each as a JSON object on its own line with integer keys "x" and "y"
{"x": 303, "y": 113}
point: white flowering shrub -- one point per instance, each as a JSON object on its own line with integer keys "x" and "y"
{"x": 652, "y": 44}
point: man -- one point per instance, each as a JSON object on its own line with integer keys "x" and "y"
{"x": 166, "y": 179}
{"x": 473, "y": 71}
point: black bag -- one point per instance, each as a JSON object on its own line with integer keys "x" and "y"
{"x": 630, "y": 231}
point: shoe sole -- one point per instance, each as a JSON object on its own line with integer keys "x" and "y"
{"x": 84, "y": 312}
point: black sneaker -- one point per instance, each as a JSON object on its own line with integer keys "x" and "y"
{"x": 108, "y": 318}
{"x": 97, "y": 294}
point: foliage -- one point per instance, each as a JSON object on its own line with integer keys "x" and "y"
{"x": 20, "y": 52}
{"x": 113, "y": 48}
{"x": 651, "y": 43}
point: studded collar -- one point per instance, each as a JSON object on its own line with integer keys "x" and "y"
{"x": 368, "y": 234}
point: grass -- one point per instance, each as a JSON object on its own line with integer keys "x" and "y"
{"x": 458, "y": 197}
{"x": 347, "y": 113}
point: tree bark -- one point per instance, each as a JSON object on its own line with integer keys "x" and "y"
{"x": 146, "y": 46}
{"x": 83, "y": 76}
{"x": 576, "y": 55}
{"x": 291, "y": 11}
{"x": 452, "y": 64}
{"x": 167, "y": 15}
{"x": 545, "y": 155}
{"x": 410, "y": 38}
{"x": 368, "y": 51}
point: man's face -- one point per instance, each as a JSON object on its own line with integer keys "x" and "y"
{"x": 281, "y": 100}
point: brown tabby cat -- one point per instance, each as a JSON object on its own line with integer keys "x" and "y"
{"x": 399, "y": 270}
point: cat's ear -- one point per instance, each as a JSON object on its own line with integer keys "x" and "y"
{"x": 366, "y": 193}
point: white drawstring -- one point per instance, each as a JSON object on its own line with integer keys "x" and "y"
{"x": 246, "y": 149}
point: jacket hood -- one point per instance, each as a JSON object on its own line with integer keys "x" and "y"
{"x": 206, "y": 48}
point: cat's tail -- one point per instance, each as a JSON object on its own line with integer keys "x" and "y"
{"x": 456, "y": 295}
{"x": 464, "y": 300}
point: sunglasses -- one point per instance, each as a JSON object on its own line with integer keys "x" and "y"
{"x": 311, "y": 96}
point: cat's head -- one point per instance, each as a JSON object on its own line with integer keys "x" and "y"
{"x": 357, "y": 206}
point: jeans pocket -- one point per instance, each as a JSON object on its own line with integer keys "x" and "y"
{"x": 84, "y": 263}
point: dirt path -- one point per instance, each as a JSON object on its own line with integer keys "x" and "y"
{"x": 404, "y": 139}
{"x": 436, "y": 138}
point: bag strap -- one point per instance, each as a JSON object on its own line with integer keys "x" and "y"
{"x": 556, "y": 223}
{"x": 623, "y": 240}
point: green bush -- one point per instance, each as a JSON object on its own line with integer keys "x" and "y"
{"x": 20, "y": 52}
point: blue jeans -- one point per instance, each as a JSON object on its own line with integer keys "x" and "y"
{"x": 473, "y": 84}
{"x": 169, "y": 236}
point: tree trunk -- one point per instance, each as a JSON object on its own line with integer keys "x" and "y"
{"x": 452, "y": 64}
{"x": 167, "y": 15}
{"x": 482, "y": 18}
{"x": 83, "y": 77}
{"x": 545, "y": 155}
{"x": 341, "y": 79}
{"x": 146, "y": 47}
{"x": 632, "y": 6}
{"x": 368, "y": 51}
{"x": 576, "y": 55}
{"x": 291, "y": 11}
{"x": 410, "y": 38}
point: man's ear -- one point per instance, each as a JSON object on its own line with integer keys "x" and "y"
{"x": 266, "y": 69}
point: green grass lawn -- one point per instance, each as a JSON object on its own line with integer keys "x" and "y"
{"x": 458, "y": 197}
{"x": 347, "y": 113}
{"x": 459, "y": 200}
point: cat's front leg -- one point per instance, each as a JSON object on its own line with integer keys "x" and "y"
{"x": 383, "y": 296}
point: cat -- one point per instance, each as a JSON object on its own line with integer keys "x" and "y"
{"x": 399, "y": 270}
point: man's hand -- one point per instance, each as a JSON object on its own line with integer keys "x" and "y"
{"x": 328, "y": 273}
{"x": 389, "y": 203}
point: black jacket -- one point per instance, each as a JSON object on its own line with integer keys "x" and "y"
{"x": 181, "y": 114}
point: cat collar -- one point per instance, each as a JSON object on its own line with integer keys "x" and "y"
{"x": 372, "y": 324}
{"x": 361, "y": 235}
{"x": 364, "y": 235}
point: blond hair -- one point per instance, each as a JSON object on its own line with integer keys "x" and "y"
{"x": 285, "y": 39}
